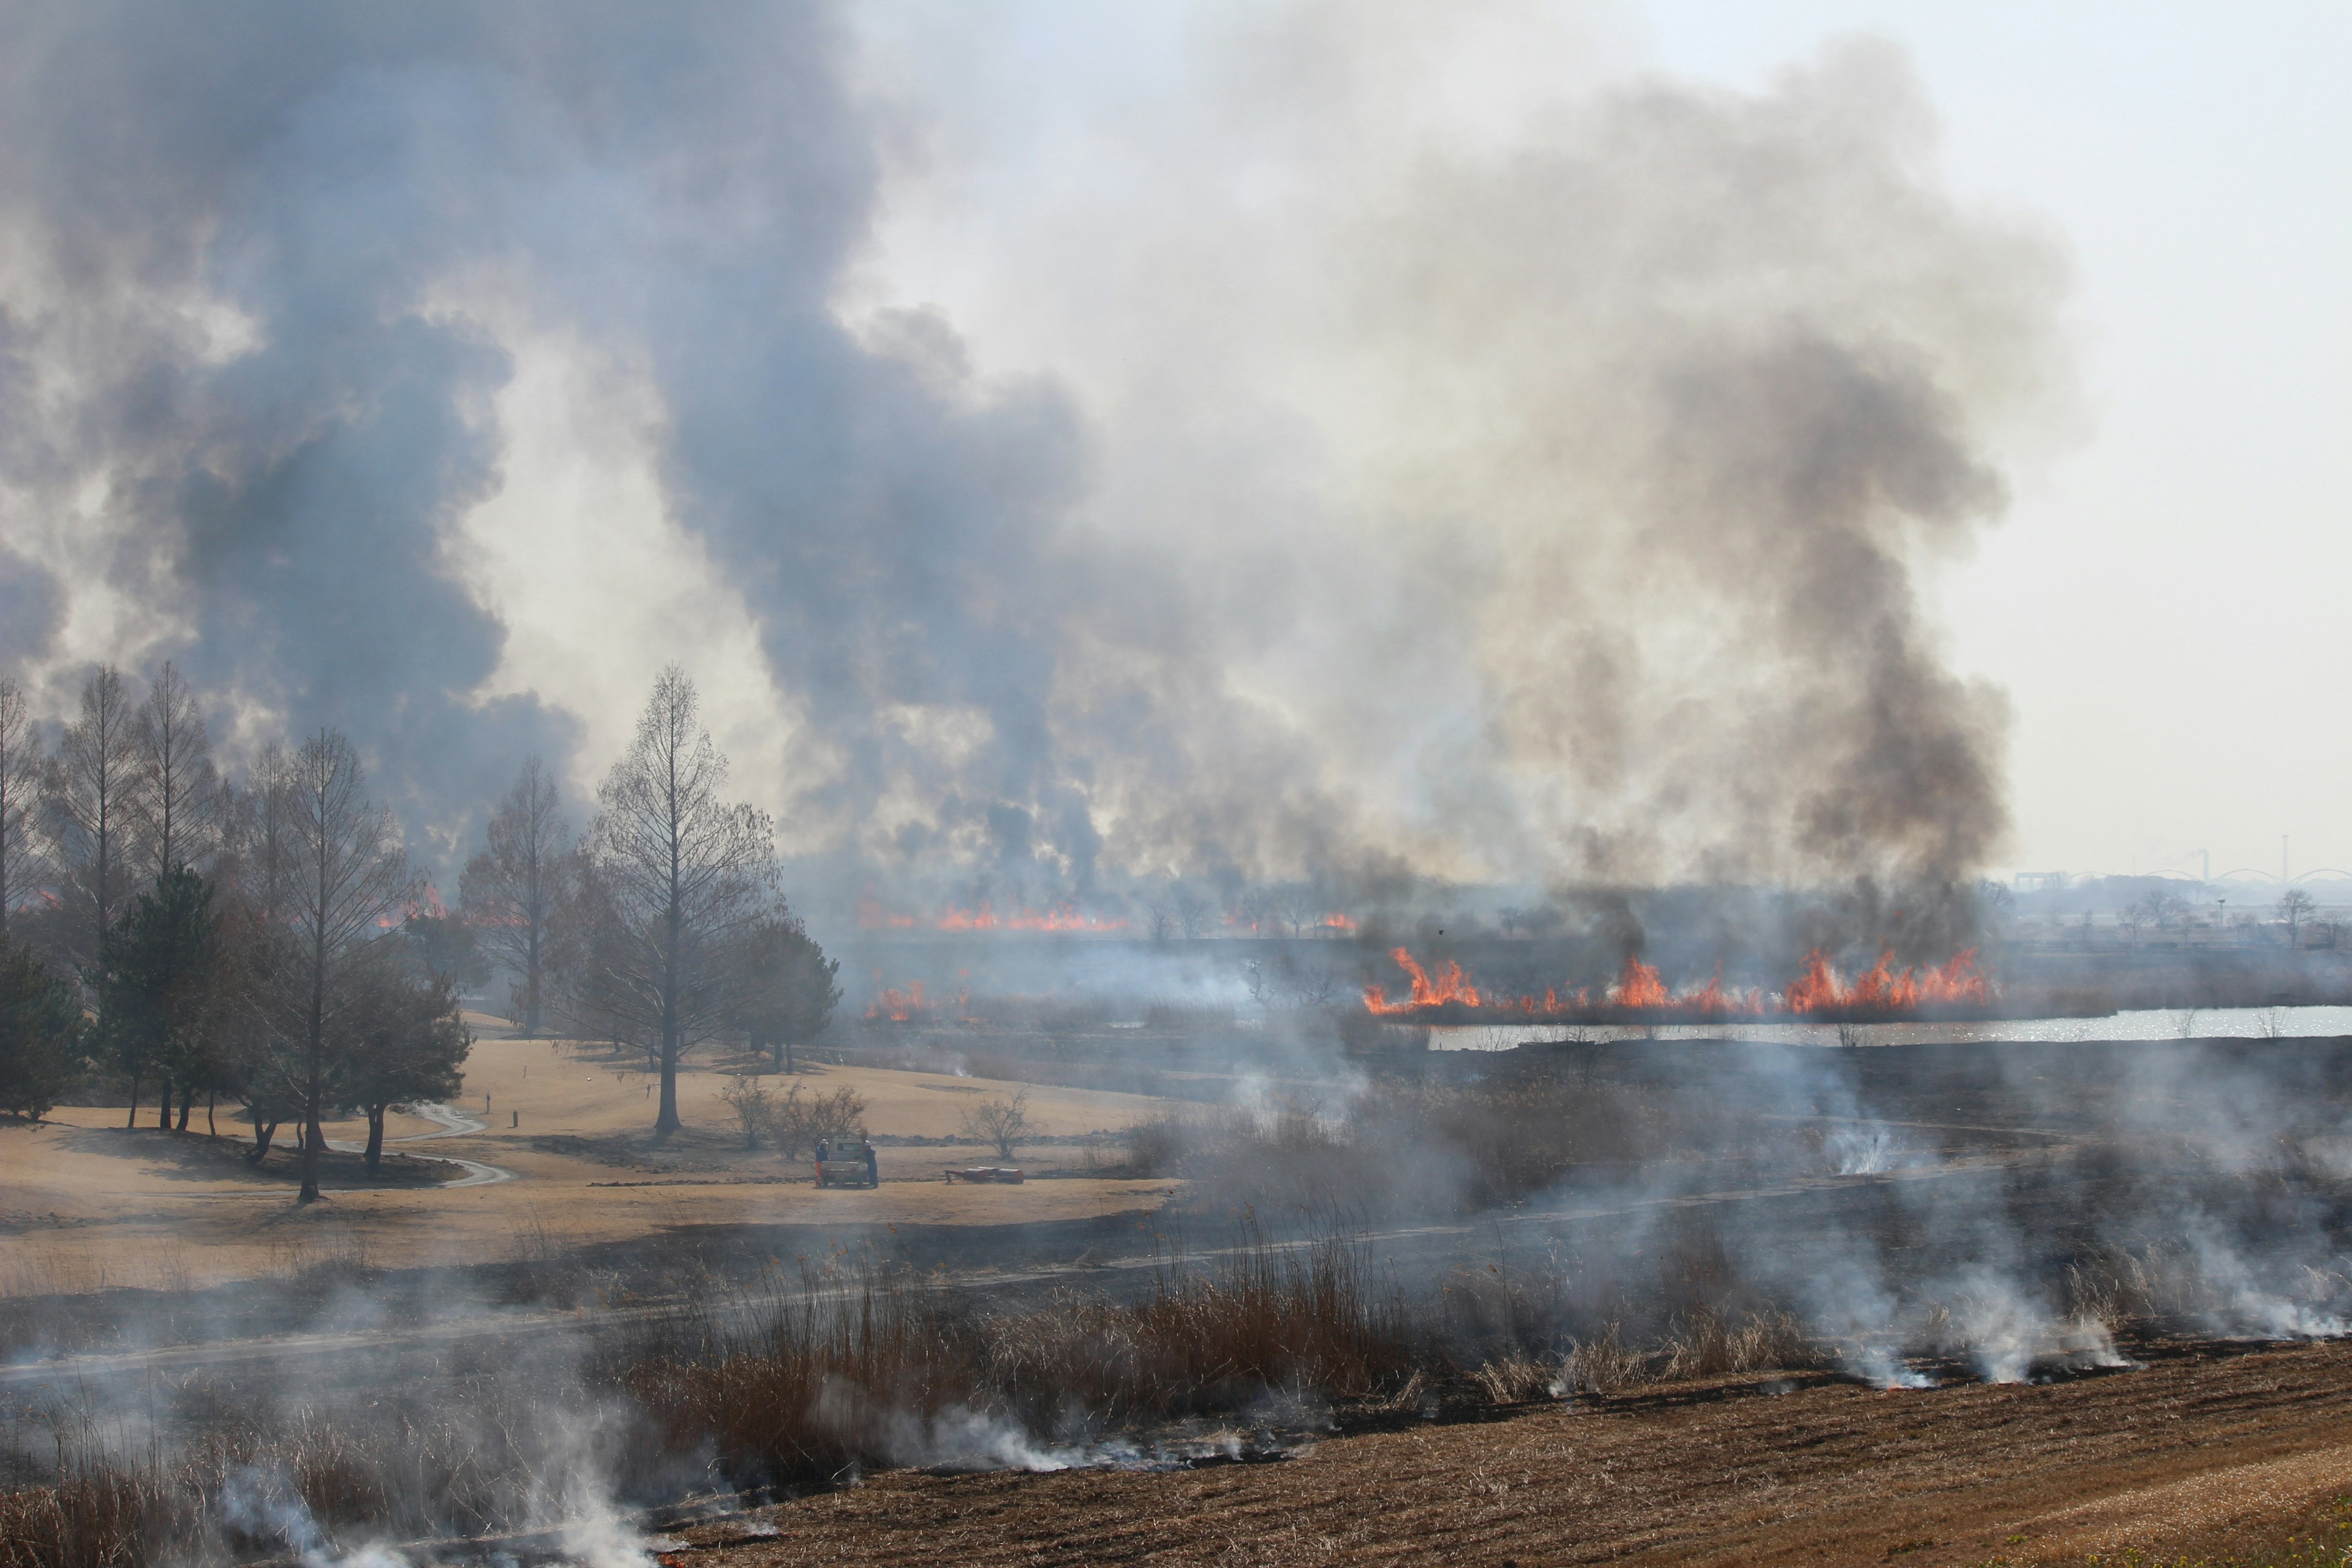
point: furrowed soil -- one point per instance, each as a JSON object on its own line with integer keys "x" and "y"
{"x": 2228, "y": 1453}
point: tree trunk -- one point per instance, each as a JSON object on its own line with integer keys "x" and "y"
{"x": 212, "y": 1099}
{"x": 668, "y": 1122}
{"x": 375, "y": 1138}
{"x": 132, "y": 1119}
{"x": 163, "y": 1109}
{"x": 263, "y": 1131}
{"x": 187, "y": 1105}
{"x": 530, "y": 985}
{"x": 312, "y": 1134}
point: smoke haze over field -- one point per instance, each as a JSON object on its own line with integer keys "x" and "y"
{"x": 1536, "y": 500}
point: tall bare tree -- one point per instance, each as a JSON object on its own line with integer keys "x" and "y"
{"x": 509, "y": 891}
{"x": 176, "y": 810}
{"x": 20, "y": 795}
{"x": 683, "y": 873}
{"x": 2294, "y": 907}
{"x": 350, "y": 882}
{"x": 91, "y": 808}
{"x": 266, "y": 855}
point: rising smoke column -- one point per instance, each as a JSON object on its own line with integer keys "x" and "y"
{"x": 1571, "y": 470}
{"x": 1545, "y": 507}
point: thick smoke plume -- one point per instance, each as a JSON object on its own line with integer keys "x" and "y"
{"x": 1542, "y": 508}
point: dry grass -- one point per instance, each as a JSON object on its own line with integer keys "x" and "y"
{"x": 846, "y": 1367}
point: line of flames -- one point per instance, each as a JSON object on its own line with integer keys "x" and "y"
{"x": 1882, "y": 988}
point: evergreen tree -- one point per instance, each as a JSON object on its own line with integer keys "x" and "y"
{"x": 407, "y": 1041}
{"x": 787, "y": 992}
{"x": 157, "y": 1002}
{"x": 38, "y": 1022}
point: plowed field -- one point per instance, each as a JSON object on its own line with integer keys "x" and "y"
{"x": 2204, "y": 1449}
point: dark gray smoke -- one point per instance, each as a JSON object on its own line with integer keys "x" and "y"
{"x": 1586, "y": 549}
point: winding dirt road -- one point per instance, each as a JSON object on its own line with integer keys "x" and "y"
{"x": 454, "y": 1123}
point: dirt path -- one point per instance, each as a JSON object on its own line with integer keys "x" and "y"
{"x": 448, "y": 1123}
{"x": 2206, "y": 1450}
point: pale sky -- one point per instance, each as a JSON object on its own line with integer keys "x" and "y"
{"x": 2163, "y": 602}
{"x": 1281, "y": 434}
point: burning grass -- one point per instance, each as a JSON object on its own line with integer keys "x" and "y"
{"x": 1444, "y": 994}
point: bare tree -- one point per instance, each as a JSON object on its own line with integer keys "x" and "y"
{"x": 753, "y": 1106}
{"x": 510, "y": 891}
{"x": 176, "y": 812}
{"x": 20, "y": 793}
{"x": 351, "y": 880}
{"x": 1003, "y": 1124}
{"x": 267, "y": 858}
{"x": 90, "y": 807}
{"x": 2294, "y": 908}
{"x": 1196, "y": 916}
{"x": 684, "y": 873}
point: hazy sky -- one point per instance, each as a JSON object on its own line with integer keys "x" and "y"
{"x": 2164, "y": 601}
{"x": 1518, "y": 441}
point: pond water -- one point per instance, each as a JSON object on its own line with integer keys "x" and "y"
{"x": 2152, "y": 1023}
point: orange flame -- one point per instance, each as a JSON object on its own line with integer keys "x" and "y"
{"x": 1881, "y": 989}
{"x": 1639, "y": 986}
{"x": 900, "y": 1007}
{"x": 1448, "y": 987}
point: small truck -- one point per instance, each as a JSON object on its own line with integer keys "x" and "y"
{"x": 846, "y": 1168}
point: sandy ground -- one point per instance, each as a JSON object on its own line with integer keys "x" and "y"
{"x": 84, "y": 1205}
{"x": 2209, "y": 1452}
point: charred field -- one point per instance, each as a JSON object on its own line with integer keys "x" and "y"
{"x": 1941, "y": 1264}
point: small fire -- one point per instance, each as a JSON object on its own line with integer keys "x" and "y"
{"x": 900, "y": 1007}
{"x": 1336, "y": 922}
{"x": 1639, "y": 988}
{"x": 912, "y": 1005}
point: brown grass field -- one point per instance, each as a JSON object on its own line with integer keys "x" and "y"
{"x": 85, "y": 1205}
{"x": 2211, "y": 1454}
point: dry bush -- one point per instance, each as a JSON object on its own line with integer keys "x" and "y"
{"x": 399, "y": 1471}
{"x": 800, "y": 1385}
{"x": 1604, "y": 1363}
{"x": 1002, "y": 1124}
{"x": 1268, "y": 1320}
{"x": 1705, "y": 1342}
{"x": 1516, "y": 1379}
{"x": 829, "y": 1375}
{"x": 98, "y": 1514}
{"x": 800, "y": 1124}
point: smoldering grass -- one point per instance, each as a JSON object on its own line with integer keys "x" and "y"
{"x": 848, "y": 1366}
